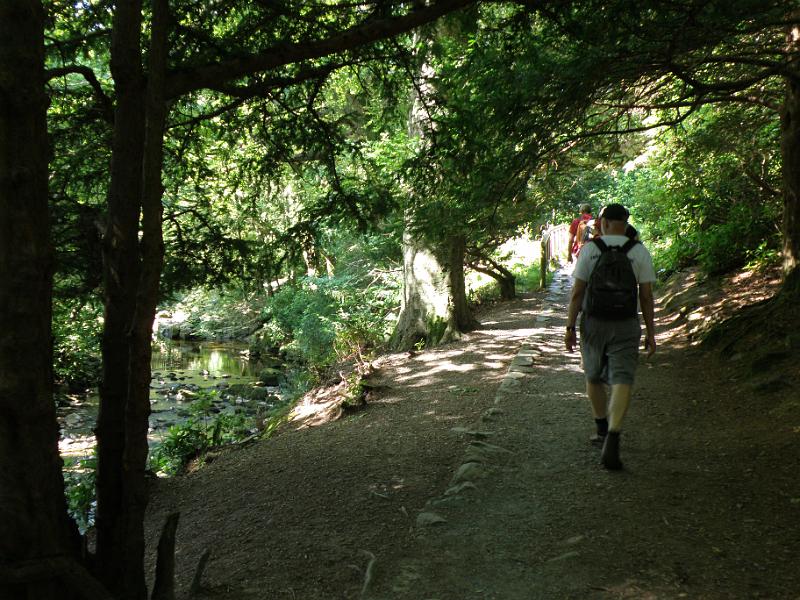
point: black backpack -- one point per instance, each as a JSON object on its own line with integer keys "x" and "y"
{"x": 612, "y": 290}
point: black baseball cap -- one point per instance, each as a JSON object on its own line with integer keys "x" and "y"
{"x": 615, "y": 212}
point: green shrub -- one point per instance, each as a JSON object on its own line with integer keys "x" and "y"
{"x": 199, "y": 434}
{"x": 319, "y": 321}
{"x": 77, "y": 329}
{"x": 767, "y": 254}
{"x": 529, "y": 277}
{"x": 80, "y": 479}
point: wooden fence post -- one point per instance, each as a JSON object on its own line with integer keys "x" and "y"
{"x": 544, "y": 259}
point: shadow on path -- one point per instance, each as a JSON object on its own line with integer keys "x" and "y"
{"x": 702, "y": 510}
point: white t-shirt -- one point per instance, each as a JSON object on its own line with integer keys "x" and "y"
{"x": 640, "y": 258}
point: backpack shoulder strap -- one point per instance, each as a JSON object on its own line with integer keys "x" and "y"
{"x": 628, "y": 245}
{"x": 600, "y": 244}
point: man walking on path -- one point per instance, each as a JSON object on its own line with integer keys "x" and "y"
{"x": 576, "y": 228}
{"x": 605, "y": 294}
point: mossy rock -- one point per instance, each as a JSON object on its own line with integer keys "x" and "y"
{"x": 270, "y": 376}
{"x": 248, "y": 391}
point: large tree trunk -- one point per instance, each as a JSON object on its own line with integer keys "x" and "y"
{"x": 426, "y": 311}
{"x": 434, "y": 306}
{"x": 34, "y": 525}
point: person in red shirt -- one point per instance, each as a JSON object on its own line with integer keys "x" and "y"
{"x": 575, "y": 243}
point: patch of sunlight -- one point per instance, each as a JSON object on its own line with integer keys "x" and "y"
{"x": 436, "y": 356}
{"x": 450, "y": 366}
{"x": 551, "y": 349}
{"x": 387, "y": 400}
{"x": 493, "y": 365}
{"x": 538, "y": 330}
{"x": 77, "y": 446}
{"x": 522, "y": 249}
{"x": 309, "y": 413}
{"x": 424, "y": 379}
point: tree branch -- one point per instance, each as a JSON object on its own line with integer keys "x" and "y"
{"x": 106, "y": 106}
{"x": 727, "y": 86}
{"x": 186, "y": 80}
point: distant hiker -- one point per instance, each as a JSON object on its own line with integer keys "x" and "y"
{"x": 579, "y": 231}
{"x": 610, "y": 273}
{"x": 631, "y": 232}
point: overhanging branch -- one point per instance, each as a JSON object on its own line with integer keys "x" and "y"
{"x": 106, "y": 106}
{"x": 186, "y": 80}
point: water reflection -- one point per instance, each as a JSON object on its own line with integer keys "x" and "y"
{"x": 180, "y": 370}
{"x": 202, "y": 357}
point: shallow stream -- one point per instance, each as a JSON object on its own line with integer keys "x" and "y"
{"x": 180, "y": 371}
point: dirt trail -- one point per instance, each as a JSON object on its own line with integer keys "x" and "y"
{"x": 708, "y": 505}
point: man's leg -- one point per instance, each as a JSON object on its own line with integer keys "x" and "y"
{"x": 598, "y": 398}
{"x": 620, "y": 399}
{"x": 622, "y": 361}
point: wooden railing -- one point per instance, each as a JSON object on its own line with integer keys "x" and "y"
{"x": 554, "y": 249}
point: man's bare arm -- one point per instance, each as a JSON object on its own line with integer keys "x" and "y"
{"x": 575, "y": 304}
{"x": 648, "y": 312}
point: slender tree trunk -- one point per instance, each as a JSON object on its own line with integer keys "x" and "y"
{"x": 462, "y": 315}
{"x": 121, "y": 278}
{"x": 34, "y": 525}
{"x": 151, "y": 247}
{"x": 790, "y": 152}
{"x": 504, "y": 278}
{"x": 133, "y": 266}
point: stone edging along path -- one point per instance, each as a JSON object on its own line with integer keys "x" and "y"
{"x": 481, "y": 454}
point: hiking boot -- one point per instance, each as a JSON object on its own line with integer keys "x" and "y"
{"x": 610, "y": 455}
{"x": 597, "y": 440}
